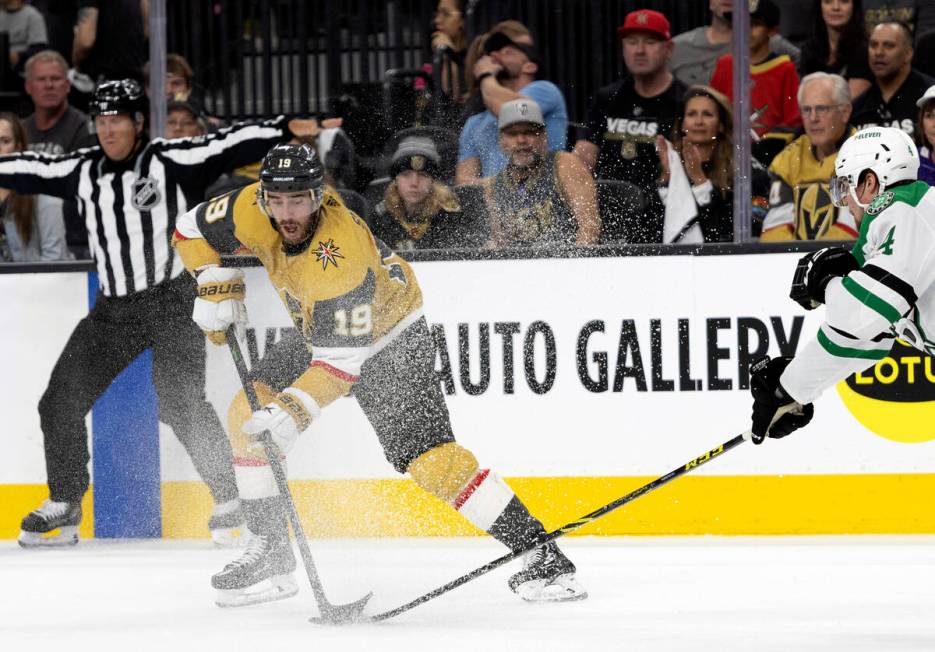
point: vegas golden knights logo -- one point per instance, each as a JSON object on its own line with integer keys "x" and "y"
{"x": 814, "y": 212}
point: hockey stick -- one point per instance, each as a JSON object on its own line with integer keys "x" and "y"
{"x": 565, "y": 529}
{"x": 333, "y": 614}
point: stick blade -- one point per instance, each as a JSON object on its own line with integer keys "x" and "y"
{"x": 342, "y": 614}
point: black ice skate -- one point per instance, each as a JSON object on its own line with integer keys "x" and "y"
{"x": 547, "y": 576}
{"x": 227, "y": 525}
{"x": 262, "y": 574}
{"x": 37, "y": 528}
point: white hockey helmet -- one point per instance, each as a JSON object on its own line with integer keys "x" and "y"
{"x": 887, "y": 151}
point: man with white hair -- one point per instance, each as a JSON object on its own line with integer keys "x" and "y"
{"x": 55, "y": 127}
{"x": 800, "y": 206}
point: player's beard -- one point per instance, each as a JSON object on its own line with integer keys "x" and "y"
{"x": 293, "y": 237}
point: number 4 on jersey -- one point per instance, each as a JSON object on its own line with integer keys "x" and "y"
{"x": 887, "y": 247}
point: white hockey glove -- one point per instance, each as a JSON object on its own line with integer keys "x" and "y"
{"x": 285, "y": 417}
{"x": 219, "y": 303}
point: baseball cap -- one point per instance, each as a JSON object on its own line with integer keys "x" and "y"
{"x": 522, "y": 110}
{"x": 928, "y": 95}
{"x": 499, "y": 40}
{"x": 765, "y": 11}
{"x": 645, "y": 20}
{"x": 415, "y": 153}
{"x": 175, "y": 105}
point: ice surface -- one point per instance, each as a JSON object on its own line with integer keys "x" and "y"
{"x": 647, "y": 594}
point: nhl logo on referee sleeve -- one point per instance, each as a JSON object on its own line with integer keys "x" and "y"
{"x": 146, "y": 194}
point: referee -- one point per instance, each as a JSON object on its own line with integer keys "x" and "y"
{"x": 129, "y": 192}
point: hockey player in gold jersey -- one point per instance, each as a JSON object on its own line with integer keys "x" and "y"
{"x": 358, "y": 311}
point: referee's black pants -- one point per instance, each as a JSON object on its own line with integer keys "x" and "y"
{"x": 114, "y": 333}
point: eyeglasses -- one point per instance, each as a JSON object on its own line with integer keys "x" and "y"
{"x": 820, "y": 110}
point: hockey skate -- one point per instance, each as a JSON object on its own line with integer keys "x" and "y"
{"x": 38, "y": 527}
{"x": 227, "y": 526}
{"x": 547, "y": 576}
{"x": 262, "y": 574}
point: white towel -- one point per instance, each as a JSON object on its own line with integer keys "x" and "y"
{"x": 680, "y": 208}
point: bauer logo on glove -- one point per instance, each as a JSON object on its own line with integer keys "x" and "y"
{"x": 219, "y": 303}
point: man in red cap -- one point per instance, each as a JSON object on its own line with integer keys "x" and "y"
{"x": 618, "y": 140}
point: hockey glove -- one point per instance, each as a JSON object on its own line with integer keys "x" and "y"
{"x": 813, "y": 272}
{"x": 219, "y": 303}
{"x": 285, "y": 417}
{"x": 775, "y": 413}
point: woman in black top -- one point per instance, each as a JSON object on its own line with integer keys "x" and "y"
{"x": 838, "y": 43}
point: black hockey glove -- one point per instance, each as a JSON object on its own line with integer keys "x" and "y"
{"x": 813, "y": 272}
{"x": 770, "y": 400}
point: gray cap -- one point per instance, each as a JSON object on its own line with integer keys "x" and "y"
{"x": 928, "y": 95}
{"x": 522, "y": 110}
{"x": 415, "y": 153}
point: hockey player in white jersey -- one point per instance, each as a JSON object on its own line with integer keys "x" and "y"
{"x": 880, "y": 290}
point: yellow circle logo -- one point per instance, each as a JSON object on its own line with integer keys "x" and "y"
{"x": 896, "y": 397}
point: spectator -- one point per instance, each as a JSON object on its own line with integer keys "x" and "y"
{"x": 184, "y": 121}
{"x": 800, "y": 203}
{"x": 774, "y": 84}
{"x": 449, "y": 44}
{"x": 506, "y": 72}
{"x": 696, "y": 51}
{"x": 418, "y": 211}
{"x": 55, "y": 127}
{"x": 110, "y": 39}
{"x": 623, "y": 121}
{"x": 697, "y": 171}
{"x": 26, "y": 29}
{"x": 891, "y": 99}
{"x": 925, "y": 136}
{"x": 541, "y": 196}
{"x": 838, "y": 43}
{"x": 918, "y": 15}
{"x": 474, "y": 100}
{"x": 35, "y": 230}
{"x": 180, "y": 83}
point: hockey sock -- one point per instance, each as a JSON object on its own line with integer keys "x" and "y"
{"x": 516, "y": 528}
{"x": 266, "y": 516}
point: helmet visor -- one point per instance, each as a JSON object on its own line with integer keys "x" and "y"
{"x": 839, "y": 188}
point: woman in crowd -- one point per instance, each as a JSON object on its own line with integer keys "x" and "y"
{"x": 925, "y": 136}
{"x": 696, "y": 183}
{"x": 419, "y": 211}
{"x": 838, "y": 43}
{"x": 33, "y": 225}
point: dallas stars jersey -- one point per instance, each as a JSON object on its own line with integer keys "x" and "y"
{"x": 891, "y": 295}
{"x": 800, "y": 205}
{"x": 348, "y": 293}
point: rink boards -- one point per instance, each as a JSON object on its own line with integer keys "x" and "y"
{"x": 577, "y": 379}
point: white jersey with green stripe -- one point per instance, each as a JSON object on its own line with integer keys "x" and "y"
{"x": 891, "y": 295}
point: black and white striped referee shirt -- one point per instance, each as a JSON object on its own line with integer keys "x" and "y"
{"x": 130, "y": 207}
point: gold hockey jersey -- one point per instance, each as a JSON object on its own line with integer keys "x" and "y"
{"x": 800, "y": 205}
{"x": 348, "y": 293}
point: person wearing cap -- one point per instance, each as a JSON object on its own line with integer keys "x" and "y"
{"x": 183, "y": 120}
{"x": 925, "y": 136}
{"x": 419, "y": 211}
{"x": 695, "y": 52}
{"x": 800, "y": 206}
{"x": 891, "y": 99}
{"x": 624, "y": 118}
{"x": 774, "y": 84}
{"x": 506, "y": 72}
{"x": 541, "y": 197}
